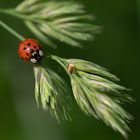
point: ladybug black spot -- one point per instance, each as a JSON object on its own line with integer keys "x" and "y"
{"x": 27, "y": 54}
{"x": 26, "y": 58}
{"x": 29, "y": 44}
{"x": 24, "y": 48}
{"x": 34, "y": 46}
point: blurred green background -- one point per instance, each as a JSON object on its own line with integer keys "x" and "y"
{"x": 117, "y": 49}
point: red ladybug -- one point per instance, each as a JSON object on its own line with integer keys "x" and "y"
{"x": 30, "y": 51}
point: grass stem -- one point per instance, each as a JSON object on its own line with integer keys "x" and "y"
{"x": 12, "y": 31}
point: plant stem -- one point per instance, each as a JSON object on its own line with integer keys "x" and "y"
{"x": 17, "y": 14}
{"x": 57, "y": 59}
{"x": 12, "y": 31}
{"x": 14, "y": 13}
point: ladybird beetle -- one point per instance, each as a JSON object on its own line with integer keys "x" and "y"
{"x": 30, "y": 51}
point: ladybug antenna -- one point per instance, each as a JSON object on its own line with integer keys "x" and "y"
{"x": 12, "y": 31}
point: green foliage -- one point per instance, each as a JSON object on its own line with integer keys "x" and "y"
{"x": 52, "y": 92}
{"x": 93, "y": 86}
{"x": 96, "y": 93}
{"x": 67, "y": 22}
{"x": 52, "y": 21}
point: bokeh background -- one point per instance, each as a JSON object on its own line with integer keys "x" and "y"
{"x": 117, "y": 49}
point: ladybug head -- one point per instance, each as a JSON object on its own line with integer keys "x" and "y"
{"x": 30, "y": 51}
